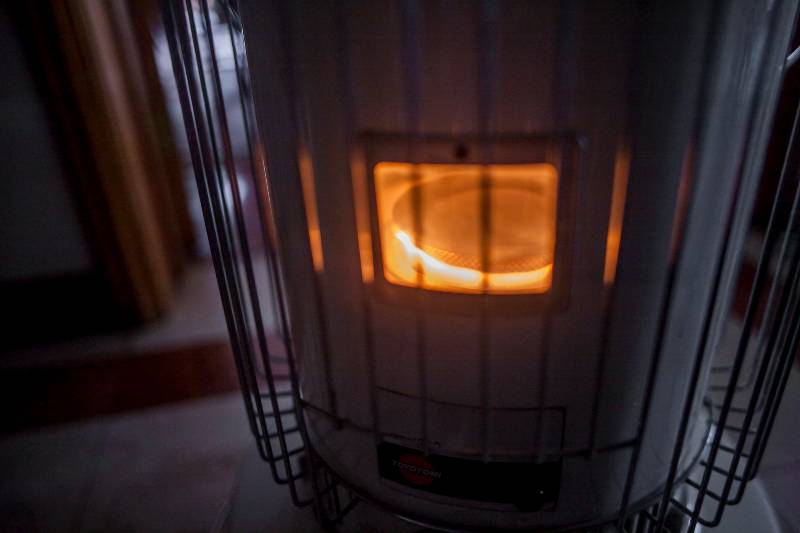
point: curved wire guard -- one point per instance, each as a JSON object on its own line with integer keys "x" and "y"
{"x": 743, "y": 404}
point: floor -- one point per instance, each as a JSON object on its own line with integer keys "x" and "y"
{"x": 140, "y": 431}
{"x": 165, "y": 469}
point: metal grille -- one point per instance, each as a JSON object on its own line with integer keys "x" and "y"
{"x": 747, "y": 381}
{"x": 265, "y": 364}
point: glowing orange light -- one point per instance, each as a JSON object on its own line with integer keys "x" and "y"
{"x": 430, "y": 217}
{"x": 620, "y": 189}
{"x": 310, "y": 198}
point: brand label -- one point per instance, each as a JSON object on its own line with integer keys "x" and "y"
{"x": 416, "y": 469}
{"x": 528, "y": 486}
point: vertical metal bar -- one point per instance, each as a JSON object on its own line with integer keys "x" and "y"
{"x": 656, "y": 359}
{"x": 247, "y": 259}
{"x": 256, "y": 163}
{"x": 658, "y": 348}
{"x": 633, "y": 525}
{"x": 544, "y": 379}
{"x": 753, "y": 299}
{"x": 211, "y": 204}
{"x": 412, "y": 34}
{"x": 664, "y": 312}
{"x": 766, "y": 401}
{"x": 768, "y": 319}
{"x": 789, "y": 334}
{"x": 228, "y": 248}
{"x": 777, "y": 395}
{"x": 318, "y": 295}
{"x": 755, "y": 403}
{"x": 211, "y": 196}
{"x": 274, "y": 272}
{"x": 758, "y": 129}
{"x": 688, "y": 404}
{"x": 792, "y": 58}
{"x": 789, "y": 167}
{"x": 788, "y": 308}
{"x": 600, "y": 369}
{"x": 257, "y": 174}
{"x": 319, "y": 300}
{"x": 286, "y": 42}
{"x": 212, "y": 139}
{"x": 366, "y": 305}
{"x": 486, "y": 50}
{"x": 337, "y": 504}
{"x": 561, "y": 90}
{"x": 747, "y": 325}
{"x": 230, "y": 166}
{"x": 609, "y": 297}
{"x": 193, "y": 126}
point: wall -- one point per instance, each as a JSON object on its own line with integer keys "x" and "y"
{"x": 40, "y": 234}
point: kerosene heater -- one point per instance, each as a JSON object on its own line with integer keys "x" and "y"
{"x": 502, "y": 240}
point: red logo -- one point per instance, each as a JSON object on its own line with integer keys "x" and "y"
{"x": 416, "y": 469}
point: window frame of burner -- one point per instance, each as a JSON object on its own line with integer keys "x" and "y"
{"x": 564, "y": 150}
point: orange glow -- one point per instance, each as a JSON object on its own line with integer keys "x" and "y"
{"x": 361, "y": 206}
{"x": 310, "y": 199}
{"x": 618, "y": 194}
{"x": 445, "y": 254}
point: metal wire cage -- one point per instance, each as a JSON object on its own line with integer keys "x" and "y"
{"x": 749, "y": 341}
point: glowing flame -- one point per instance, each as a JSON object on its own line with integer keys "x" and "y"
{"x": 446, "y": 255}
{"x": 439, "y": 274}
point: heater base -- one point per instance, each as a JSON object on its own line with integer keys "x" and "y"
{"x": 588, "y": 490}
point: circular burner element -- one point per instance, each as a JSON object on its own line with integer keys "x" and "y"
{"x": 521, "y": 228}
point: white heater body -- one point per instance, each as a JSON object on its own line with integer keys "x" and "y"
{"x": 415, "y": 395}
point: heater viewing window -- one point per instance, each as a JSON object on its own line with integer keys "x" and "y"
{"x": 450, "y": 227}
